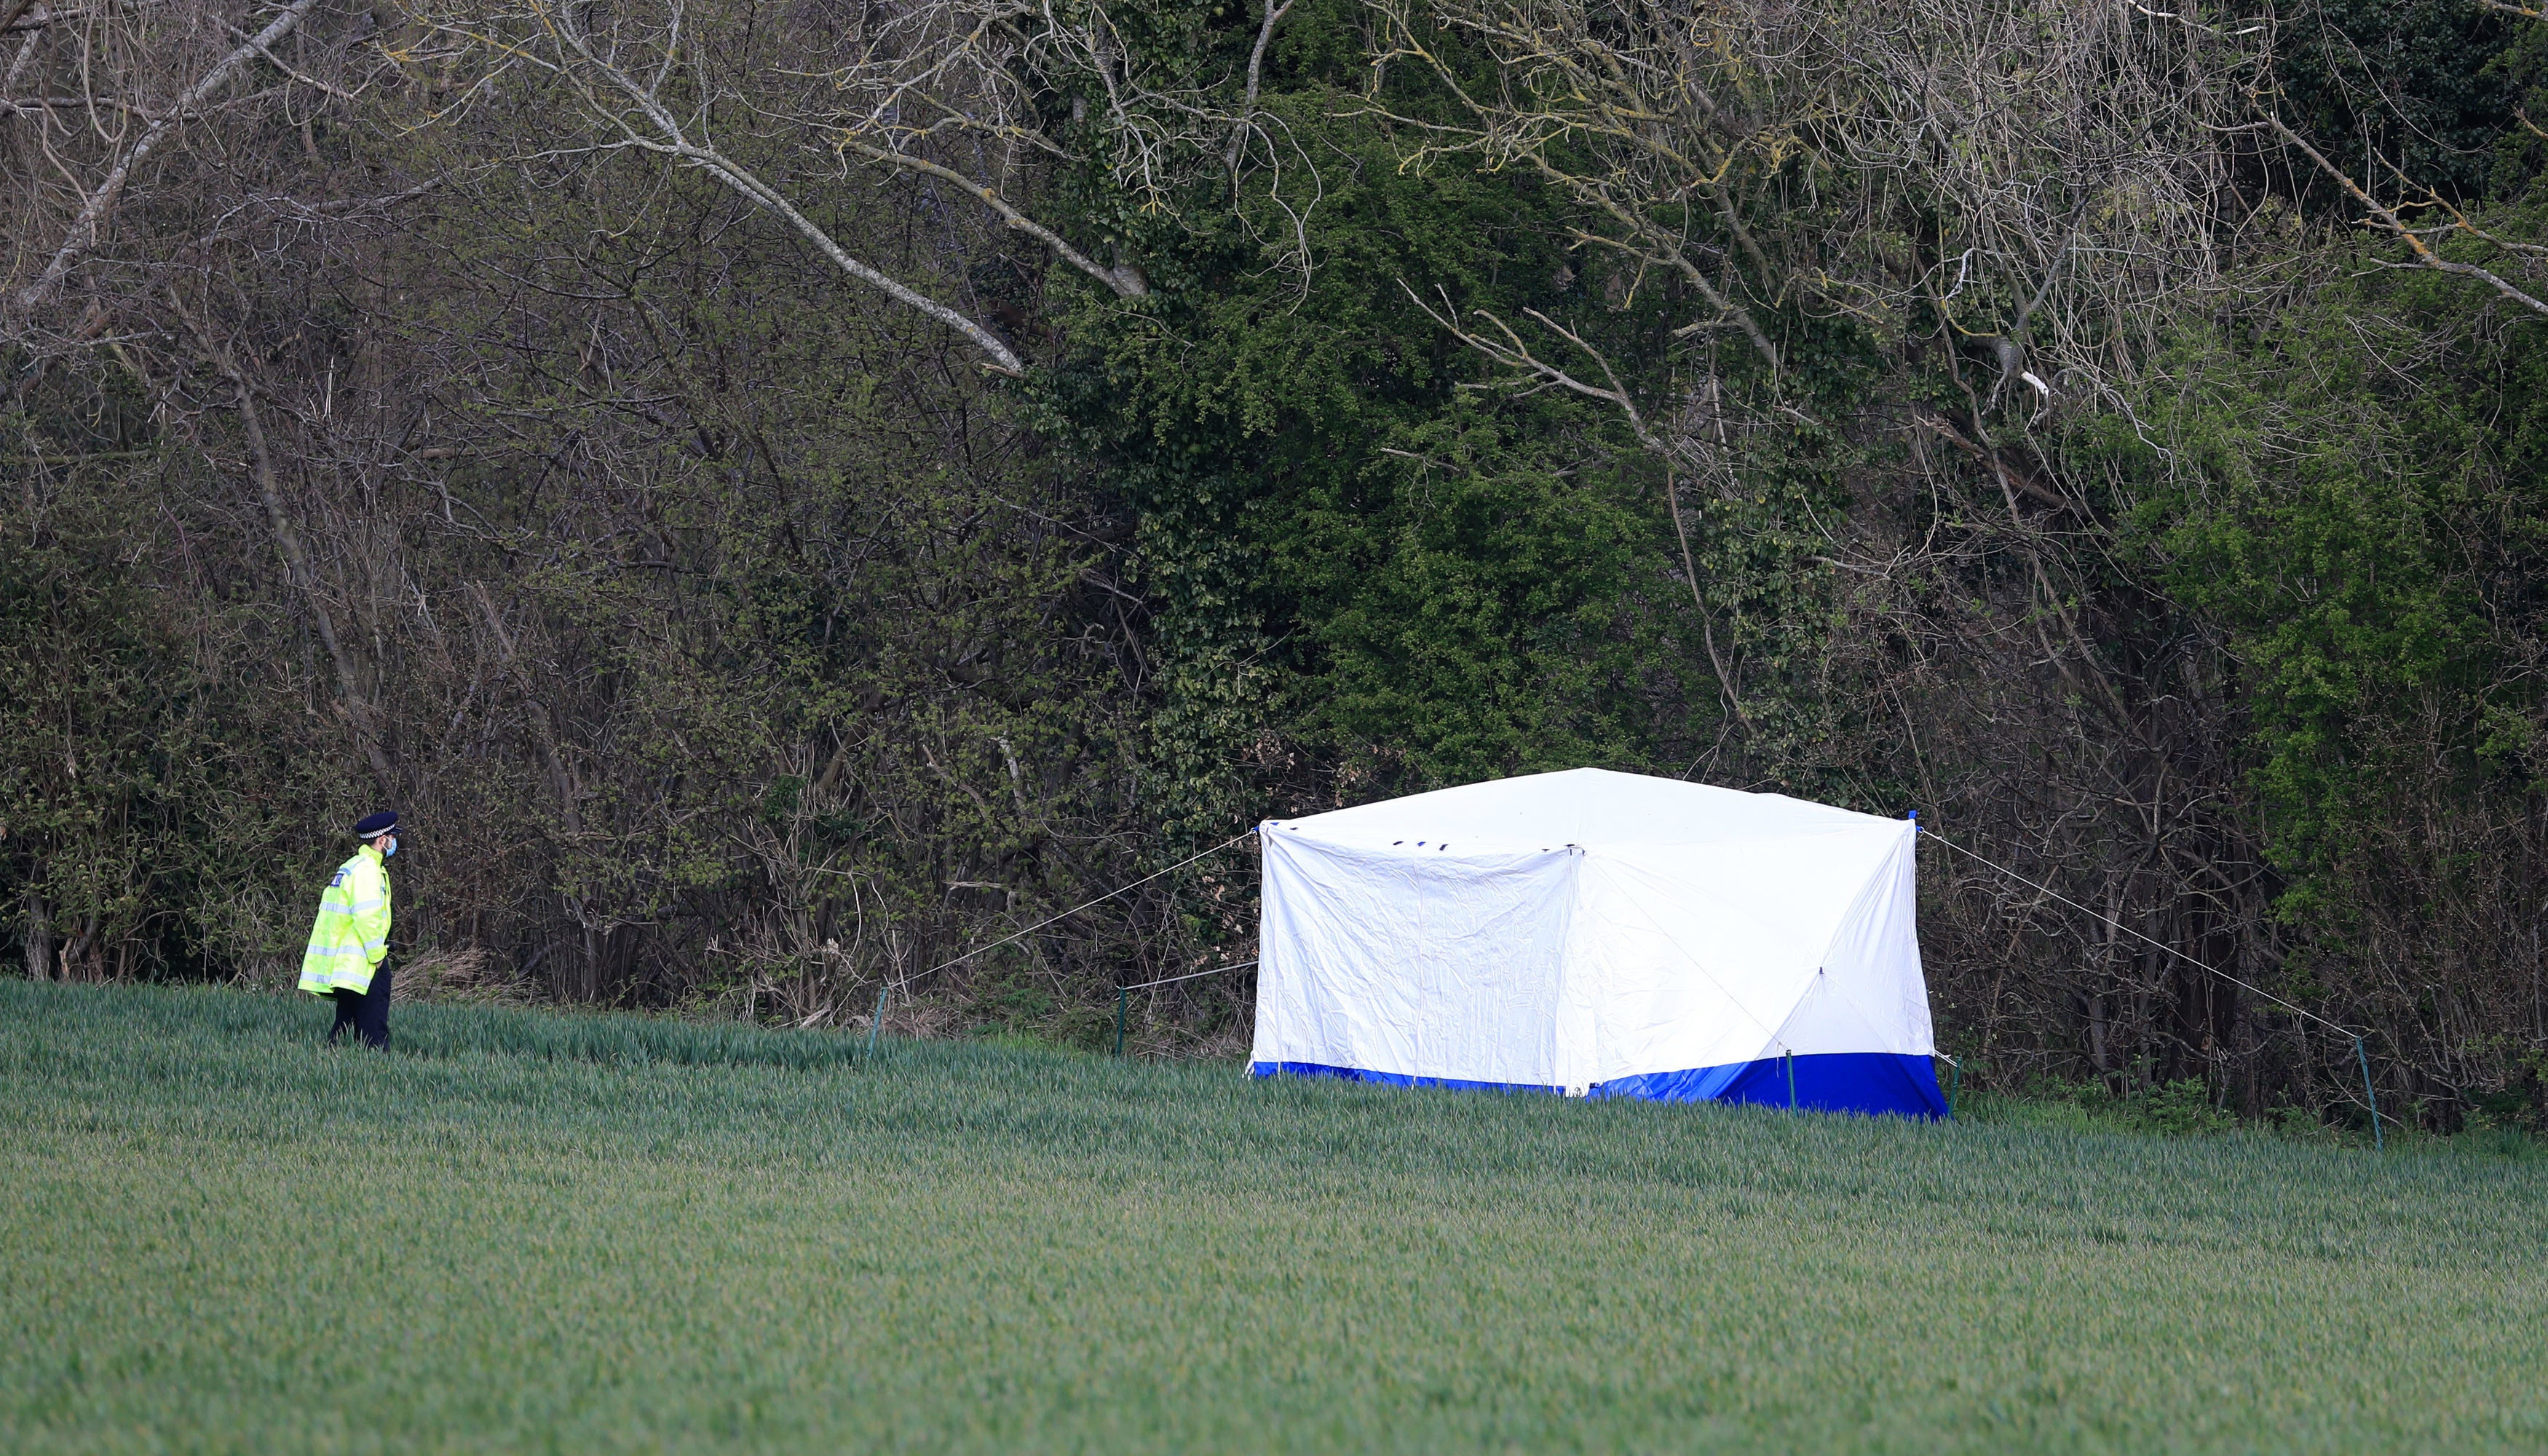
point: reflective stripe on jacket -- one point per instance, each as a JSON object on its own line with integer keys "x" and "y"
{"x": 352, "y": 931}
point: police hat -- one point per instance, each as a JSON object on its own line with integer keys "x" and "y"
{"x": 375, "y": 825}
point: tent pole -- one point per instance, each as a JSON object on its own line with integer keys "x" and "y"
{"x": 1120, "y": 994}
{"x": 876, "y": 1024}
{"x": 2379, "y": 1144}
{"x": 1791, "y": 1080}
{"x": 1954, "y": 1079}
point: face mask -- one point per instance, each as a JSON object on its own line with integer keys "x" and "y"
{"x": 392, "y": 850}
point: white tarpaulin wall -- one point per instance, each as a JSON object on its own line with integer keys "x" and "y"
{"x": 1599, "y": 934}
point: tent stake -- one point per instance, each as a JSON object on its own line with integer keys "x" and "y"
{"x": 2378, "y": 1142}
{"x": 1121, "y": 993}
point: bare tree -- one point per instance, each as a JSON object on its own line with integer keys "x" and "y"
{"x": 172, "y": 134}
{"x": 972, "y": 93}
{"x": 157, "y": 125}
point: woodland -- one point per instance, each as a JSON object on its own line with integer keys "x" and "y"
{"x": 783, "y": 495}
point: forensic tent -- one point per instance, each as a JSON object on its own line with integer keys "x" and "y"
{"x": 1603, "y": 935}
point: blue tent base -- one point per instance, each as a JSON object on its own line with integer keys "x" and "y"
{"x": 1874, "y": 1083}
{"x": 1871, "y": 1082}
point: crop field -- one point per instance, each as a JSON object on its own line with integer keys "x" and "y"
{"x": 522, "y": 1231}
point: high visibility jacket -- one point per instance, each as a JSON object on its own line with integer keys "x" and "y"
{"x": 352, "y": 932}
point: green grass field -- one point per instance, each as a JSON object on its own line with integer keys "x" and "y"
{"x": 523, "y": 1230}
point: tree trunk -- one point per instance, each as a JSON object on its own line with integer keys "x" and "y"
{"x": 39, "y": 939}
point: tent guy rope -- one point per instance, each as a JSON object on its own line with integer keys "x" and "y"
{"x": 1189, "y": 975}
{"x": 2360, "y": 1056}
{"x": 1124, "y": 994}
{"x": 876, "y": 1024}
{"x": 2296, "y": 1009}
{"x": 1075, "y": 909}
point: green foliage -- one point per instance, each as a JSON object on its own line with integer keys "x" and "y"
{"x": 2368, "y": 532}
{"x": 2427, "y": 86}
{"x": 1359, "y": 558}
{"x": 2521, "y": 151}
{"x": 2184, "y": 1108}
{"x": 144, "y": 812}
{"x": 226, "y": 1238}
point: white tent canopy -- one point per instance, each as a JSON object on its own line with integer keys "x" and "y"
{"x": 1599, "y": 934}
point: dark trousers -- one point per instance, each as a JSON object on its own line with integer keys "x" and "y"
{"x": 365, "y": 1013}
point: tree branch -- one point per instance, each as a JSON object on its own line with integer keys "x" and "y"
{"x": 672, "y": 140}
{"x": 1126, "y": 282}
{"x": 1255, "y": 71}
{"x": 1512, "y": 353}
{"x": 2392, "y": 223}
{"x": 287, "y": 539}
{"x": 84, "y": 229}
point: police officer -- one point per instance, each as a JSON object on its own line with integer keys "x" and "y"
{"x": 347, "y": 958}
